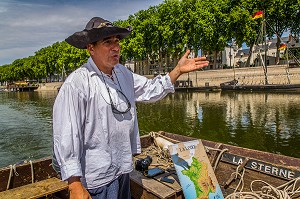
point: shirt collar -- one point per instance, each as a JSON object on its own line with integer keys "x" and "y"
{"x": 95, "y": 70}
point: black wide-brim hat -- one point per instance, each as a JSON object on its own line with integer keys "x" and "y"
{"x": 95, "y": 30}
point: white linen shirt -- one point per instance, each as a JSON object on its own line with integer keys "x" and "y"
{"x": 91, "y": 141}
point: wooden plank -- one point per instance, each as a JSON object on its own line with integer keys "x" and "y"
{"x": 176, "y": 186}
{"x": 143, "y": 187}
{"x": 35, "y": 190}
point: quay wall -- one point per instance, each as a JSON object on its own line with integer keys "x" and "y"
{"x": 51, "y": 86}
{"x": 245, "y": 76}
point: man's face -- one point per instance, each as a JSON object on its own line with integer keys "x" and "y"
{"x": 106, "y": 53}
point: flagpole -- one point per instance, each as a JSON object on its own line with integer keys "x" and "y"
{"x": 266, "y": 49}
{"x": 288, "y": 65}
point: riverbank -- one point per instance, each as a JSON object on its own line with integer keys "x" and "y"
{"x": 51, "y": 86}
{"x": 245, "y": 76}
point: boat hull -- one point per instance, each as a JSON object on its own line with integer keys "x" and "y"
{"x": 270, "y": 87}
{"x": 272, "y": 168}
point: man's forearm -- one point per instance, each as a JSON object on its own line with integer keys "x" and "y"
{"x": 174, "y": 74}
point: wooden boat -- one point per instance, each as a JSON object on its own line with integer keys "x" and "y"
{"x": 187, "y": 85}
{"x": 226, "y": 159}
{"x": 270, "y": 87}
{"x": 234, "y": 86}
{"x": 21, "y": 88}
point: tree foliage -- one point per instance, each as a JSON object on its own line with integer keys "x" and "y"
{"x": 163, "y": 33}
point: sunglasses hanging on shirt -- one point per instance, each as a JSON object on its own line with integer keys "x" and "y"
{"x": 120, "y": 104}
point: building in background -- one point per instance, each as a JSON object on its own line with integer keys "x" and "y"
{"x": 231, "y": 56}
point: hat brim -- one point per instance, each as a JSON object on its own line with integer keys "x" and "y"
{"x": 83, "y": 38}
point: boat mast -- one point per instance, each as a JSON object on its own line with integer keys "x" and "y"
{"x": 287, "y": 55}
{"x": 288, "y": 65}
{"x": 261, "y": 43}
{"x": 230, "y": 57}
{"x": 266, "y": 48}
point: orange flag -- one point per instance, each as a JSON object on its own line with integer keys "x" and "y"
{"x": 282, "y": 47}
{"x": 257, "y": 15}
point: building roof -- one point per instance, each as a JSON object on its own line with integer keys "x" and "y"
{"x": 244, "y": 52}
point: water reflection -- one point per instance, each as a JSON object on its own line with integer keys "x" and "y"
{"x": 262, "y": 121}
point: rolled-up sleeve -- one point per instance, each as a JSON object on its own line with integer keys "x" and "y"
{"x": 68, "y": 124}
{"x": 152, "y": 90}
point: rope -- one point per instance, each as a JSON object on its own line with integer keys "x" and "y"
{"x": 10, "y": 175}
{"x": 163, "y": 157}
{"x": 15, "y": 170}
{"x": 219, "y": 158}
{"x": 32, "y": 172}
{"x": 288, "y": 190}
{"x": 283, "y": 191}
{"x": 241, "y": 178}
{"x": 12, "y": 168}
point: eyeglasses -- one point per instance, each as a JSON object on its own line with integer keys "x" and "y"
{"x": 122, "y": 104}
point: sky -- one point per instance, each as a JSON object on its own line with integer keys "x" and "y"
{"x": 29, "y": 25}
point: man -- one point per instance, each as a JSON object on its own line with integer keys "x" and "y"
{"x": 95, "y": 128}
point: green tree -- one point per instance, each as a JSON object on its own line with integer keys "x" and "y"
{"x": 281, "y": 16}
{"x": 214, "y": 32}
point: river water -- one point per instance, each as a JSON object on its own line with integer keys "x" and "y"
{"x": 262, "y": 121}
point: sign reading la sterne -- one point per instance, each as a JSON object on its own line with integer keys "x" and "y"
{"x": 260, "y": 166}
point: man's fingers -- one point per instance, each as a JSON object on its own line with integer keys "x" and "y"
{"x": 202, "y": 62}
{"x": 200, "y": 66}
{"x": 186, "y": 54}
{"x": 200, "y": 59}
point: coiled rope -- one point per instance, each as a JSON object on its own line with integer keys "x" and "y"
{"x": 163, "y": 158}
{"x": 289, "y": 190}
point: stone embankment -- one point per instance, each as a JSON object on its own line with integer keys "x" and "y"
{"x": 51, "y": 86}
{"x": 245, "y": 76}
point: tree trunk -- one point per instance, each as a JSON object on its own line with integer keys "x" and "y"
{"x": 160, "y": 61}
{"x": 250, "y": 55}
{"x": 135, "y": 70}
{"x": 215, "y": 59}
